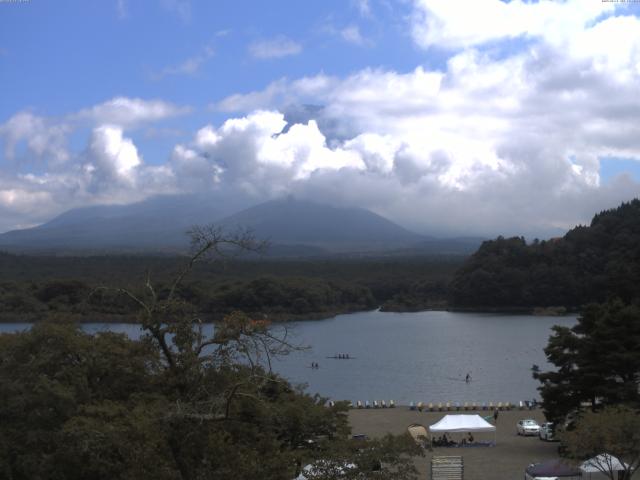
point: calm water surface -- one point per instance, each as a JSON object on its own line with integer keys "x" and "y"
{"x": 422, "y": 356}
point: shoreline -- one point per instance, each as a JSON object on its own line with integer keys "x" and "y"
{"x": 9, "y": 318}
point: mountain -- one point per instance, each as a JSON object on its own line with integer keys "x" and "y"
{"x": 294, "y": 228}
{"x": 295, "y": 222}
{"x": 158, "y": 223}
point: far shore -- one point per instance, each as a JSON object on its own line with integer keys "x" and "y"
{"x": 281, "y": 317}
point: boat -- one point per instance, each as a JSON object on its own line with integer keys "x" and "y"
{"x": 418, "y": 433}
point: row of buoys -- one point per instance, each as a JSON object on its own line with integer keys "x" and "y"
{"x": 446, "y": 406}
{"x": 375, "y": 404}
{"x": 528, "y": 404}
{"x": 366, "y": 404}
{"x": 456, "y": 406}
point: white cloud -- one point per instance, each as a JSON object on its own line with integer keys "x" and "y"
{"x": 42, "y": 176}
{"x": 499, "y": 140}
{"x": 251, "y": 101}
{"x": 130, "y": 112}
{"x": 277, "y": 47}
{"x": 190, "y": 66}
{"x": 112, "y": 154}
{"x": 44, "y": 139}
{"x": 352, "y": 34}
{"x": 22, "y": 201}
{"x": 493, "y": 143}
{"x": 468, "y": 23}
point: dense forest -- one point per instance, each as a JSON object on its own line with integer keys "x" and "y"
{"x": 589, "y": 264}
{"x": 34, "y": 288}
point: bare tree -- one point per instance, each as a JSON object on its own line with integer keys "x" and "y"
{"x": 174, "y": 326}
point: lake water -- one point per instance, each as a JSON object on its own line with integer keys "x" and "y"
{"x": 422, "y": 356}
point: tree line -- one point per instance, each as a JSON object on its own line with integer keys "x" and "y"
{"x": 35, "y": 288}
{"x": 589, "y": 264}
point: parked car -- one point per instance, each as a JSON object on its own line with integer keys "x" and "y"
{"x": 547, "y": 432}
{"x": 528, "y": 427}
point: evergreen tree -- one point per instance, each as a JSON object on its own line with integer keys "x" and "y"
{"x": 597, "y": 360}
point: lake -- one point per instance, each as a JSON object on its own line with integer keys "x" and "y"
{"x": 421, "y": 356}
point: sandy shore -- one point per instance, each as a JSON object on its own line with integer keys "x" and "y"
{"x": 506, "y": 461}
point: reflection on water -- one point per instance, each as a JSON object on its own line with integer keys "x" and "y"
{"x": 422, "y": 356}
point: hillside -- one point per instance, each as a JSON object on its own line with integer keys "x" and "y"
{"x": 293, "y": 227}
{"x": 589, "y": 264}
{"x": 158, "y": 223}
{"x": 296, "y": 222}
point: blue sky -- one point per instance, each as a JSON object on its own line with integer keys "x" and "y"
{"x": 63, "y": 56}
{"x": 480, "y": 117}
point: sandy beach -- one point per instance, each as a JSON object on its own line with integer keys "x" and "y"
{"x": 505, "y": 461}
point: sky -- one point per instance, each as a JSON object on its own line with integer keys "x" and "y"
{"x": 478, "y": 117}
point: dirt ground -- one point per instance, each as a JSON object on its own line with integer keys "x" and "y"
{"x": 505, "y": 461}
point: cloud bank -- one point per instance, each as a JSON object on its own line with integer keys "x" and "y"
{"x": 506, "y": 138}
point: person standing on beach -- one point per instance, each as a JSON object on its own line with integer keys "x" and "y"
{"x": 495, "y": 417}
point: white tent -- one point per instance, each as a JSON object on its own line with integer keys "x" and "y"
{"x": 602, "y": 463}
{"x": 462, "y": 423}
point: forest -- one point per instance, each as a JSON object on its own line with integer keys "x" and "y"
{"x": 591, "y": 263}
{"x": 34, "y": 288}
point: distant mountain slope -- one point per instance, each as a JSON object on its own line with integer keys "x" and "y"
{"x": 156, "y": 223}
{"x": 295, "y": 222}
{"x": 295, "y": 228}
{"x": 589, "y": 264}
{"x": 446, "y": 246}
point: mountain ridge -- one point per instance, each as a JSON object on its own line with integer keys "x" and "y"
{"x": 293, "y": 227}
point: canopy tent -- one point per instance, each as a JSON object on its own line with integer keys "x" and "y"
{"x": 552, "y": 469}
{"x": 603, "y": 463}
{"x": 462, "y": 423}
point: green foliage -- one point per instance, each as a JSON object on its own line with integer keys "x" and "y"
{"x": 589, "y": 264}
{"x": 597, "y": 360}
{"x": 174, "y": 405}
{"x": 77, "y": 406}
{"x": 614, "y": 431}
{"x": 49, "y": 376}
{"x": 33, "y": 288}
